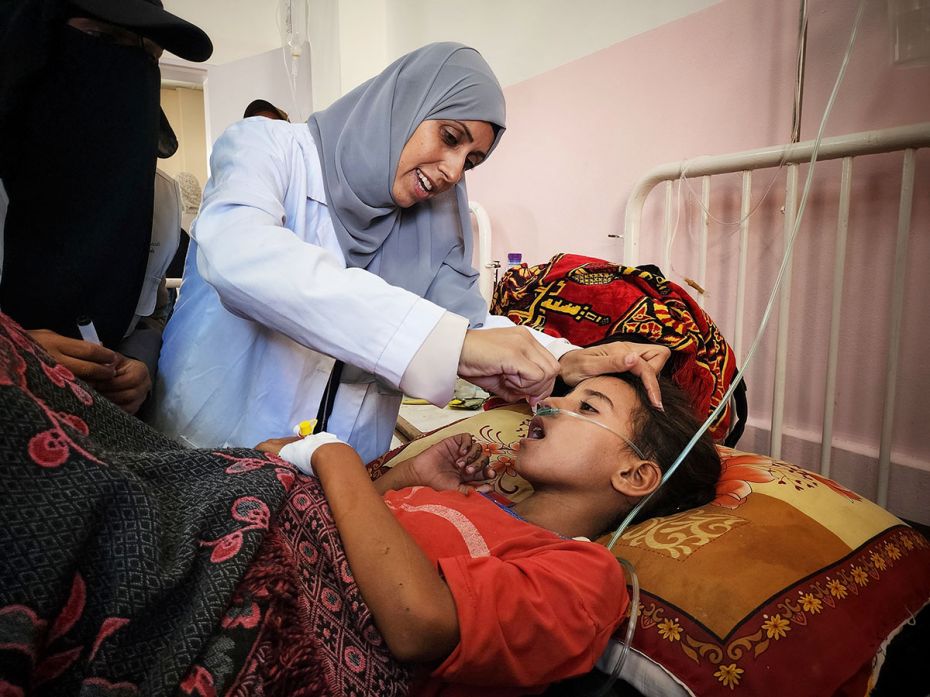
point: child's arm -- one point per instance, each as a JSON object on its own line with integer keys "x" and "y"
{"x": 411, "y": 604}
{"x": 452, "y": 463}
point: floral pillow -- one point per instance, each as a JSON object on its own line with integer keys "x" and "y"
{"x": 787, "y": 583}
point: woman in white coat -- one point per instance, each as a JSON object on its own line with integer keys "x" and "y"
{"x": 343, "y": 241}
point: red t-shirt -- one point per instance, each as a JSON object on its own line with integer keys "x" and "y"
{"x": 532, "y": 607}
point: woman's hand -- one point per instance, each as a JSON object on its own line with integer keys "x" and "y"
{"x": 124, "y": 381}
{"x": 643, "y": 360}
{"x": 508, "y": 362}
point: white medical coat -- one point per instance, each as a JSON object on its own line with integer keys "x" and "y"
{"x": 267, "y": 303}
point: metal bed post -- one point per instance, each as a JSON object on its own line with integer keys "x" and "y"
{"x": 894, "y": 340}
{"x": 745, "y": 206}
{"x": 705, "y": 230}
{"x": 669, "y": 231}
{"x": 784, "y": 310}
{"x": 839, "y": 269}
{"x": 485, "y": 265}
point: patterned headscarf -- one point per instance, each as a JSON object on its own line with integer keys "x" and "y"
{"x": 191, "y": 195}
{"x": 426, "y": 248}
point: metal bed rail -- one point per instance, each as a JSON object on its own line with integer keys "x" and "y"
{"x": 486, "y": 265}
{"x": 905, "y": 139}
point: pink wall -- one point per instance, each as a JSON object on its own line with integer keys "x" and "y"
{"x": 721, "y": 81}
{"x": 716, "y": 81}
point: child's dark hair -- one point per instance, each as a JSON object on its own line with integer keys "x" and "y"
{"x": 661, "y": 436}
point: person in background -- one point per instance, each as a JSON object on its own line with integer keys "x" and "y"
{"x": 190, "y": 195}
{"x": 466, "y": 585}
{"x": 80, "y": 130}
{"x": 342, "y": 242}
{"x": 261, "y": 107}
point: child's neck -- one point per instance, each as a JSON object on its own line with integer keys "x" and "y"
{"x": 563, "y": 513}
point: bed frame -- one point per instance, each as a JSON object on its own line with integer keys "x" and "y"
{"x": 905, "y": 140}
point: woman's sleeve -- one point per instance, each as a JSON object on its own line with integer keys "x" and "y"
{"x": 557, "y": 346}
{"x": 264, "y": 272}
{"x": 530, "y": 621}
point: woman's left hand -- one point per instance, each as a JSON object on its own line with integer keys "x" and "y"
{"x": 450, "y": 464}
{"x": 643, "y": 360}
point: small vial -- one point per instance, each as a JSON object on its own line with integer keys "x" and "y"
{"x": 88, "y": 331}
{"x": 305, "y": 428}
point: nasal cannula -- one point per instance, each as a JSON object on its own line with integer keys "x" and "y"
{"x": 552, "y": 411}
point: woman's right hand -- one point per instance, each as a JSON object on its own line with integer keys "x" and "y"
{"x": 508, "y": 362}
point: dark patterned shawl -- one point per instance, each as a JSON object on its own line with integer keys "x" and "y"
{"x": 130, "y": 565}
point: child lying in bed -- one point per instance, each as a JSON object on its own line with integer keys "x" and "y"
{"x": 507, "y": 598}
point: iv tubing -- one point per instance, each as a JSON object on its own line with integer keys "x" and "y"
{"x": 630, "y": 628}
{"x": 771, "y": 303}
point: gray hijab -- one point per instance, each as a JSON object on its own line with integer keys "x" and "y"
{"x": 360, "y": 137}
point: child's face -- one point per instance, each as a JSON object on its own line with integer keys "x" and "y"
{"x": 563, "y": 450}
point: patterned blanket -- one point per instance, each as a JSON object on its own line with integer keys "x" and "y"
{"x": 590, "y": 301}
{"x": 131, "y": 565}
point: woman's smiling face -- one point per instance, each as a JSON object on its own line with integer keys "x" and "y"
{"x": 436, "y": 156}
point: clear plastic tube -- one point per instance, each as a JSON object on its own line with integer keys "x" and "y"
{"x": 553, "y": 411}
{"x": 766, "y": 315}
{"x": 630, "y": 629}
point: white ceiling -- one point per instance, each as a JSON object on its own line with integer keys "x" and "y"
{"x": 238, "y": 28}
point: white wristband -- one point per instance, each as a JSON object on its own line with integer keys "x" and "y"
{"x": 300, "y": 452}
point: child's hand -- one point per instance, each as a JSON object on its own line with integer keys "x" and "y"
{"x": 300, "y": 451}
{"x": 274, "y": 445}
{"x": 451, "y": 464}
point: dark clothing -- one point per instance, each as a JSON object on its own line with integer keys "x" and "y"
{"x": 79, "y": 168}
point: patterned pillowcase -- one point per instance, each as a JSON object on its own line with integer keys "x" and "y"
{"x": 787, "y": 583}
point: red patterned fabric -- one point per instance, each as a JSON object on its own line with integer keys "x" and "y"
{"x": 130, "y": 565}
{"x": 588, "y": 301}
{"x": 297, "y": 624}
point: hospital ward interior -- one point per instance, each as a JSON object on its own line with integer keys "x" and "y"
{"x": 508, "y": 347}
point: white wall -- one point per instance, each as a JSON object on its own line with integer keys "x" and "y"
{"x": 229, "y": 88}
{"x": 364, "y": 40}
{"x": 524, "y": 38}
{"x": 326, "y": 60}
{"x": 519, "y": 38}
{"x": 354, "y": 39}
{"x": 238, "y": 28}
